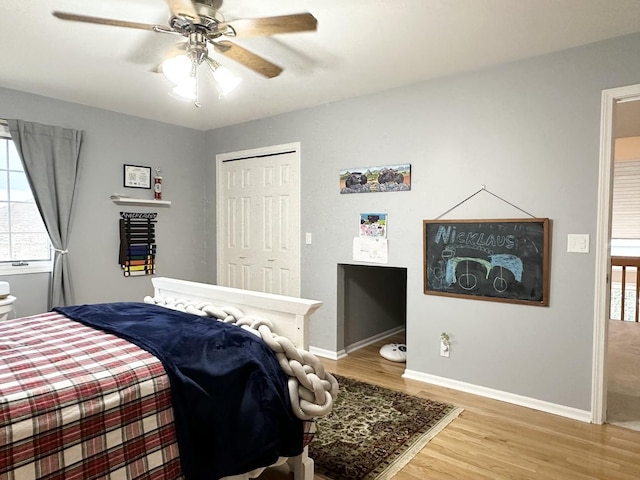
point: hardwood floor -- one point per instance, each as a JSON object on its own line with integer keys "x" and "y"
{"x": 494, "y": 440}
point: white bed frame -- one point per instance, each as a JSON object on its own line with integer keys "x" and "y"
{"x": 290, "y": 317}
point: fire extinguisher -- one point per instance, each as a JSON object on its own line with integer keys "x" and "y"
{"x": 157, "y": 185}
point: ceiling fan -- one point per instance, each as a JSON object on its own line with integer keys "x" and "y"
{"x": 205, "y": 27}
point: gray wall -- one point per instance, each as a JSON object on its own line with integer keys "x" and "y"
{"x": 110, "y": 141}
{"x": 30, "y": 290}
{"x": 529, "y": 131}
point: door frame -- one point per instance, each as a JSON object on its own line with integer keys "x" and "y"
{"x": 603, "y": 248}
{"x": 255, "y": 152}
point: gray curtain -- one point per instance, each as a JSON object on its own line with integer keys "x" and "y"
{"x": 51, "y": 157}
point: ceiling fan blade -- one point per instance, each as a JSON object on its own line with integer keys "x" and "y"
{"x": 247, "y": 58}
{"x": 182, "y": 8}
{"x": 104, "y": 21}
{"x": 260, "y": 27}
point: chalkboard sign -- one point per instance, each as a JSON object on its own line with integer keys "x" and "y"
{"x": 500, "y": 260}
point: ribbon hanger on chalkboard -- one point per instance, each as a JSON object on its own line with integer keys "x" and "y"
{"x": 483, "y": 188}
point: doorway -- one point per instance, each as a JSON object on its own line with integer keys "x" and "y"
{"x": 372, "y": 304}
{"x": 623, "y": 329}
{"x": 258, "y": 219}
{"x": 602, "y": 307}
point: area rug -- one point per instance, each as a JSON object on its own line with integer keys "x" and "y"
{"x": 373, "y": 432}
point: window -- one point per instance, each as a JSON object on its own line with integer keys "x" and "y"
{"x": 625, "y": 204}
{"x": 24, "y": 242}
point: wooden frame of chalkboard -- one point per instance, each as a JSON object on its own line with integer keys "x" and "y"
{"x": 504, "y": 260}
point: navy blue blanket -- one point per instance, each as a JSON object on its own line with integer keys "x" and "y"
{"x": 230, "y": 397}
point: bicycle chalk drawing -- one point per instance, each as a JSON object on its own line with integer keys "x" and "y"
{"x": 505, "y": 260}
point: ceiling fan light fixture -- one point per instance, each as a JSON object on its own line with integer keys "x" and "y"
{"x": 205, "y": 28}
{"x": 226, "y": 81}
{"x": 187, "y": 90}
{"x": 177, "y": 69}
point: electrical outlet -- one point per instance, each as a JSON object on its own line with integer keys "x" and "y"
{"x": 444, "y": 349}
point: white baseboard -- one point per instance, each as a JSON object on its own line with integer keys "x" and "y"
{"x": 321, "y": 352}
{"x": 330, "y": 354}
{"x": 562, "y": 410}
{"x": 376, "y": 338}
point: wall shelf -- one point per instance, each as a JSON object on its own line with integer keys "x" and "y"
{"x": 141, "y": 202}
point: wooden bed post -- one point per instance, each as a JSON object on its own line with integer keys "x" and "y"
{"x": 302, "y": 466}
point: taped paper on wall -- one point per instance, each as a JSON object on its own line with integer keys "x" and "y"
{"x": 370, "y": 249}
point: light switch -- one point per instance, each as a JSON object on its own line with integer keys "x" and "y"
{"x": 307, "y": 238}
{"x": 578, "y": 243}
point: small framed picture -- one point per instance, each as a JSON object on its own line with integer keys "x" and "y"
{"x": 136, "y": 176}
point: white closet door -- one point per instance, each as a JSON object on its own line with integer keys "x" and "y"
{"x": 259, "y": 219}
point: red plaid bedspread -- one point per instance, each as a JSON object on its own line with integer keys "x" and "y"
{"x": 78, "y": 403}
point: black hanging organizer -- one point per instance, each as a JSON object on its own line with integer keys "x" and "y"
{"x": 137, "y": 254}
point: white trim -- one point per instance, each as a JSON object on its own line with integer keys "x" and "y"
{"x": 602, "y": 250}
{"x": 368, "y": 341}
{"x": 331, "y": 355}
{"x": 36, "y": 266}
{"x": 554, "y": 408}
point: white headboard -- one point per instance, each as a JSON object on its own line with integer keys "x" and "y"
{"x": 289, "y": 315}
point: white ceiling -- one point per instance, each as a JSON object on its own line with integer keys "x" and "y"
{"x": 361, "y": 47}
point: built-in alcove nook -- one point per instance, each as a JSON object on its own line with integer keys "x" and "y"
{"x": 372, "y": 304}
